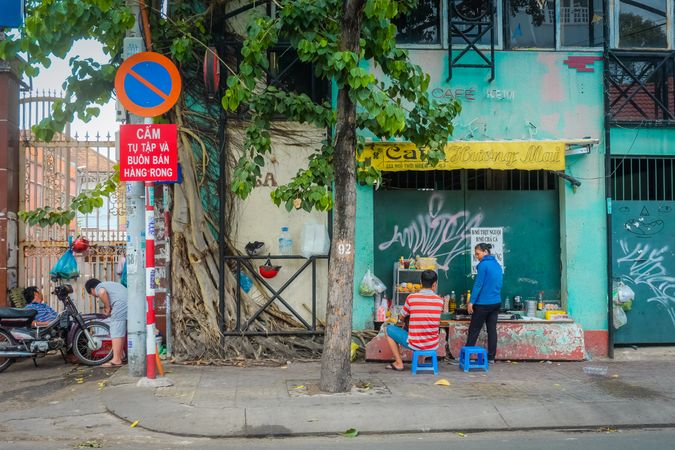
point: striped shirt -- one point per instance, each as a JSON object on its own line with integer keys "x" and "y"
{"x": 424, "y": 308}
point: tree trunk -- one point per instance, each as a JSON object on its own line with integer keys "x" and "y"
{"x": 335, "y": 365}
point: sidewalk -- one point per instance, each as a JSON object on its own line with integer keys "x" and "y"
{"x": 229, "y": 401}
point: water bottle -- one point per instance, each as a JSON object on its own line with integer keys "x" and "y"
{"x": 285, "y": 242}
{"x": 507, "y": 303}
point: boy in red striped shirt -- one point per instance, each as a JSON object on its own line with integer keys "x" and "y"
{"x": 424, "y": 308}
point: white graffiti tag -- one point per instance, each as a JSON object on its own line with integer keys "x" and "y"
{"x": 436, "y": 234}
{"x": 646, "y": 268}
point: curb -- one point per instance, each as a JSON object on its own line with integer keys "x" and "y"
{"x": 569, "y": 428}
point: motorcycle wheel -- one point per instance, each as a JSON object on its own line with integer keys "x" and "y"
{"x": 100, "y": 332}
{"x": 6, "y": 339}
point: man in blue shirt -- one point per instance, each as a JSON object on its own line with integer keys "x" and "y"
{"x": 34, "y": 301}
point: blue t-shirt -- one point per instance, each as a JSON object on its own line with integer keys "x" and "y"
{"x": 488, "y": 285}
{"x": 44, "y": 312}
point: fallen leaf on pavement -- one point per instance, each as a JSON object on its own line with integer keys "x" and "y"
{"x": 442, "y": 382}
{"x": 615, "y": 376}
{"x": 352, "y": 432}
{"x": 133, "y": 425}
{"x": 79, "y": 380}
{"x": 299, "y": 387}
{"x": 461, "y": 435}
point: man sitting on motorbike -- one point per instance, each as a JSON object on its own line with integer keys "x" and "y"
{"x": 114, "y": 297}
{"x": 34, "y": 300}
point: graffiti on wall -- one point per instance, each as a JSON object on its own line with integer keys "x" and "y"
{"x": 647, "y": 268}
{"x": 437, "y": 233}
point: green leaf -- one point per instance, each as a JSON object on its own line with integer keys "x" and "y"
{"x": 351, "y": 433}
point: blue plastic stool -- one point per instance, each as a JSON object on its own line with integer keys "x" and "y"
{"x": 465, "y": 355}
{"x": 416, "y": 365}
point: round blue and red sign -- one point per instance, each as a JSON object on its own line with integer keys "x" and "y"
{"x": 148, "y": 84}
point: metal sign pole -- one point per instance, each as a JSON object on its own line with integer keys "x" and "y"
{"x": 135, "y": 253}
{"x": 150, "y": 278}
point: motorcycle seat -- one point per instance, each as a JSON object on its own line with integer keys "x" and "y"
{"x": 17, "y": 313}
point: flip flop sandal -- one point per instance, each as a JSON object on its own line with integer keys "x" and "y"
{"x": 393, "y": 367}
{"x": 108, "y": 364}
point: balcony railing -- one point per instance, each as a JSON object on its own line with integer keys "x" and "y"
{"x": 641, "y": 87}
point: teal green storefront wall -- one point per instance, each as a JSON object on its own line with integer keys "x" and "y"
{"x": 363, "y": 307}
{"x": 438, "y": 224}
{"x": 643, "y": 141}
{"x": 535, "y": 95}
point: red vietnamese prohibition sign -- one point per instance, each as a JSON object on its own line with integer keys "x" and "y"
{"x": 148, "y": 84}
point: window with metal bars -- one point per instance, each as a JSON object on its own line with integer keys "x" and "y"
{"x": 432, "y": 180}
{"x": 643, "y": 178}
{"x": 473, "y": 180}
{"x": 511, "y": 180}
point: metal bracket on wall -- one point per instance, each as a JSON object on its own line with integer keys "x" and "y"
{"x": 469, "y": 22}
{"x": 573, "y": 181}
{"x": 580, "y": 146}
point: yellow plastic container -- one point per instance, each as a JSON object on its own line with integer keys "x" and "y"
{"x": 426, "y": 263}
{"x": 556, "y": 312}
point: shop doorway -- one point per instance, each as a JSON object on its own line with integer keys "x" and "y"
{"x": 431, "y": 213}
{"x": 643, "y": 246}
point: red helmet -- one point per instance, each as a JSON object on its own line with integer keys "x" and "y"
{"x": 267, "y": 270}
{"x": 80, "y": 245}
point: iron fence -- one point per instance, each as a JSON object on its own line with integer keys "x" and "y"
{"x": 641, "y": 87}
{"x": 243, "y": 264}
{"x": 53, "y": 173}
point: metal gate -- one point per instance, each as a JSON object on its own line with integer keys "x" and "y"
{"x": 643, "y": 246}
{"x": 53, "y": 173}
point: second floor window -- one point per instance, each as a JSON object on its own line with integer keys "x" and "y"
{"x": 544, "y": 24}
{"x": 642, "y": 23}
{"x": 421, "y": 26}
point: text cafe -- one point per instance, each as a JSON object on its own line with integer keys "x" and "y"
{"x": 505, "y": 193}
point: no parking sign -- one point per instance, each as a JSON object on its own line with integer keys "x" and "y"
{"x": 148, "y": 84}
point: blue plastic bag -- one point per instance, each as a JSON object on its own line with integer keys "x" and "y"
{"x": 245, "y": 282}
{"x": 66, "y": 267}
{"x": 123, "y": 279}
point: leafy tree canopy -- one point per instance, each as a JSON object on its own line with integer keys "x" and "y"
{"x": 393, "y": 105}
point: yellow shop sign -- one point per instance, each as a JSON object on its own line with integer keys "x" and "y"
{"x": 503, "y": 155}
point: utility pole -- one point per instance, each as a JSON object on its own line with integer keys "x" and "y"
{"x": 136, "y": 328}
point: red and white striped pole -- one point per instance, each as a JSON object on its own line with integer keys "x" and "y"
{"x": 150, "y": 278}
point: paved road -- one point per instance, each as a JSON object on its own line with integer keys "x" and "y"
{"x": 57, "y": 406}
{"x": 599, "y": 440}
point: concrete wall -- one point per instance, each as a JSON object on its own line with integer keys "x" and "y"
{"x": 643, "y": 141}
{"x": 537, "y": 95}
{"x": 9, "y": 178}
{"x": 258, "y": 219}
{"x": 363, "y": 307}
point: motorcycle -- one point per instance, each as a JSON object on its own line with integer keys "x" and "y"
{"x": 87, "y": 336}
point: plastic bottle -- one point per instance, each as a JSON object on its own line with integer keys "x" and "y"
{"x": 507, "y": 303}
{"x": 285, "y": 242}
{"x": 540, "y": 301}
{"x": 452, "y": 304}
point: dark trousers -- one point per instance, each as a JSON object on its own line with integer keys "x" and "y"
{"x": 484, "y": 314}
